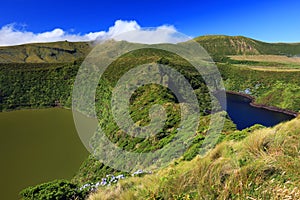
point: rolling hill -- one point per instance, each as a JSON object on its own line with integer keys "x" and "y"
{"x": 239, "y": 45}
{"x": 216, "y": 45}
{"x": 56, "y": 52}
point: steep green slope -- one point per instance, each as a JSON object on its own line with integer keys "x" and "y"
{"x": 239, "y": 45}
{"x": 36, "y": 85}
{"x": 226, "y": 45}
{"x": 264, "y": 165}
{"x": 56, "y": 52}
{"x": 144, "y": 98}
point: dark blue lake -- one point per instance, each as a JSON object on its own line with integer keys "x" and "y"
{"x": 244, "y": 115}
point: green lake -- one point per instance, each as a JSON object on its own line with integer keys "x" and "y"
{"x": 37, "y": 146}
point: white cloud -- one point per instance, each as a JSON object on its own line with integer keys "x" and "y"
{"x": 122, "y": 30}
{"x": 9, "y": 35}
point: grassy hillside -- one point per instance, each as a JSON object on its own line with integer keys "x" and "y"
{"x": 272, "y": 88}
{"x": 263, "y": 165}
{"x": 56, "y": 52}
{"x": 45, "y": 74}
{"x": 268, "y": 71}
{"x": 239, "y": 45}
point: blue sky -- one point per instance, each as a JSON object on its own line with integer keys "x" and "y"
{"x": 271, "y": 21}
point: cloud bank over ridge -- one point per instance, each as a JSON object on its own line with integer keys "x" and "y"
{"x": 129, "y": 30}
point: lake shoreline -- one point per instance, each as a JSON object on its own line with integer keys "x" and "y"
{"x": 34, "y": 108}
{"x": 251, "y": 98}
{"x": 271, "y": 108}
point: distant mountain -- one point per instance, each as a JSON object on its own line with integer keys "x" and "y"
{"x": 239, "y": 45}
{"x": 56, "y": 52}
{"x": 216, "y": 45}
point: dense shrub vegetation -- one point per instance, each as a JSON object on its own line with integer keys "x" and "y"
{"x": 36, "y": 85}
{"x": 58, "y": 189}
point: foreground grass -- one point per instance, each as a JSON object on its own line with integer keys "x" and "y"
{"x": 264, "y": 165}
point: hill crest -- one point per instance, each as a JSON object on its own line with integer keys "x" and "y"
{"x": 55, "y": 52}
{"x": 216, "y": 45}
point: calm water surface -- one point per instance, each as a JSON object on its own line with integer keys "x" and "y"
{"x": 244, "y": 115}
{"x": 37, "y": 146}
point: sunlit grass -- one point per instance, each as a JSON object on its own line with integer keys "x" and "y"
{"x": 265, "y": 165}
